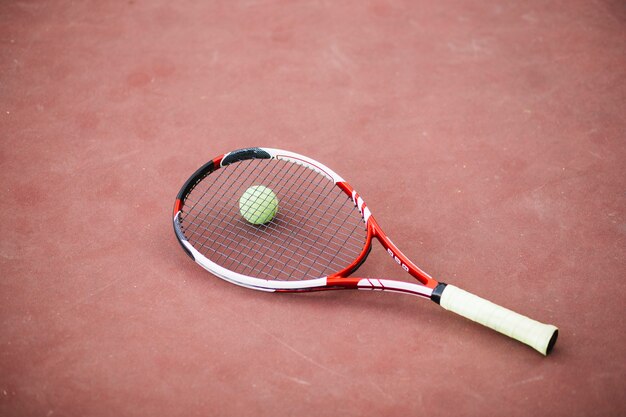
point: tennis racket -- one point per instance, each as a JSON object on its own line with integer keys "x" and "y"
{"x": 321, "y": 233}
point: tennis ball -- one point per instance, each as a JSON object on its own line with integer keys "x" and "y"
{"x": 258, "y": 205}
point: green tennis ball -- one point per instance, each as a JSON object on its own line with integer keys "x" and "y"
{"x": 258, "y": 205}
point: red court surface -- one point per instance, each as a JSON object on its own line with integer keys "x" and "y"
{"x": 487, "y": 137}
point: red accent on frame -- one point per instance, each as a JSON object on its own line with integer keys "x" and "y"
{"x": 399, "y": 257}
{"x": 347, "y": 283}
{"x": 336, "y": 278}
{"x": 348, "y": 269}
{"x": 177, "y": 205}
{"x": 346, "y": 188}
{"x": 217, "y": 162}
{"x": 374, "y": 230}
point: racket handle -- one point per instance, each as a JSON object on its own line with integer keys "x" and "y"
{"x": 539, "y": 336}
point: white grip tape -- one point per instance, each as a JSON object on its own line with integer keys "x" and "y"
{"x": 526, "y": 330}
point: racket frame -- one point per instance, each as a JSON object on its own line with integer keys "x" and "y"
{"x": 335, "y": 281}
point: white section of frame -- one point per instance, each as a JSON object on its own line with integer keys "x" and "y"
{"x": 306, "y": 161}
{"x": 251, "y": 282}
{"x": 396, "y": 286}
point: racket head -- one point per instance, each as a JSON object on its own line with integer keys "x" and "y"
{"x": 319, "y": 231}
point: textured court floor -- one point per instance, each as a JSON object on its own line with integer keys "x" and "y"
{"x": 487, "y": 137}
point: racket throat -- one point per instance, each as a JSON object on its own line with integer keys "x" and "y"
{"x": 394, "y": 286}
{"x": 399, "y": 257}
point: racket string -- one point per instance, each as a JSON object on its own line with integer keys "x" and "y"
{"x": 267, "y": 228}
{"x": 344, "y": 220}
{"x": 270, "y": 263}
{"x": 232, "y": 199}
{"x": 315, "y": 232}
{"x": 331, "y": 221}
{"x": 246, "y": 229}
{"x": 252, "y": 258}
{"x": 301, "y": 217}
{"x": 252, "y": 249}
{"x": 316, "y": 216}
{"x": 292, "y": 235}
{"x": 216, "y": 183}
{"x": 273, "y": 222}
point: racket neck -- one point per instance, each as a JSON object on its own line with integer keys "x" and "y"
{"x": 397, "y": 255}
{"x": 374, "y": 230}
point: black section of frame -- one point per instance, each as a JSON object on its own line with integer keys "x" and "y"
{"x": 357, "y": 266}
{"x": 437, "y": 291}
{"x": 202, "y": 172}
{"x": 197, "y": 176}
{"x": 243, "y": 154}
{"x": 552, "y": 342}
{"x": 180, "y": 236}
